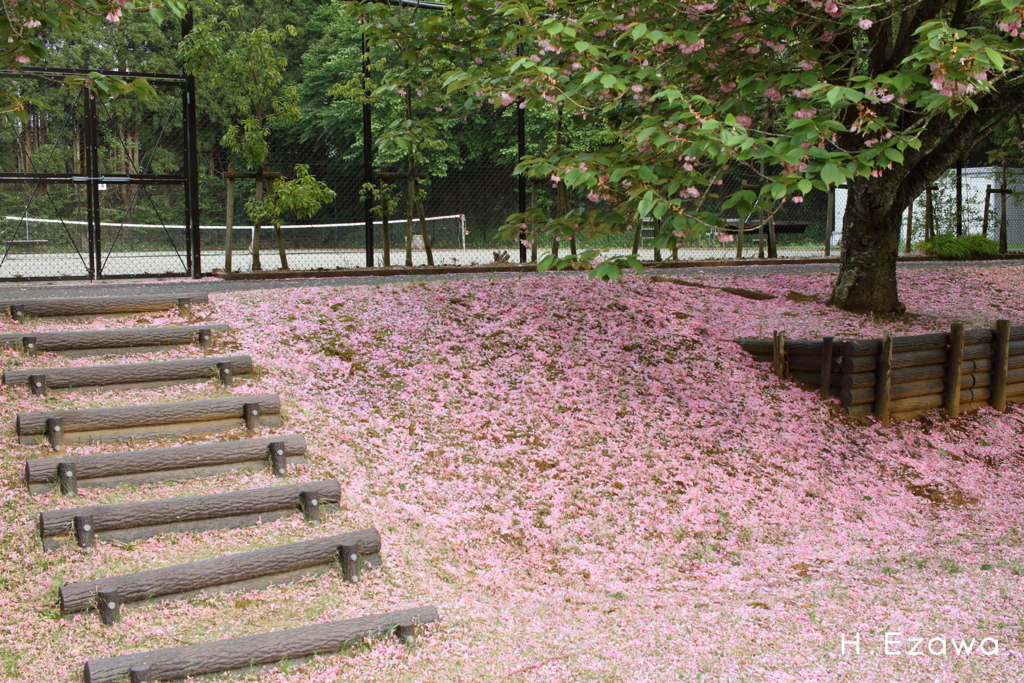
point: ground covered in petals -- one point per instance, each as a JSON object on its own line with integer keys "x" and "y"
{"x": 590, "y": 481}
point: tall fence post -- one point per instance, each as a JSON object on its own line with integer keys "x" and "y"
{"x": 1000, "y": 365}
{"x": 367, "y": 154}
{"x": 954, "y": 369}
{"x": 883, "y": 381}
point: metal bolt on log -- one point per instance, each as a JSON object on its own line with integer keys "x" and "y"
{"x": 109, "y": 604}
{"x": 310, "y": 504}
{"x": 204, "y": 338}
{"x": 29, "y": 345}
{"x": 251, "y": 413}
{"x": 17, "y": 312}
{"x": 67, "y": 478}
{"x": 349, "y": 557}
{"x": 38, "y": 384}
{"x": 85, "y": 531}
{"x": 278, "y": 460}
{"x": 227, "y": 378}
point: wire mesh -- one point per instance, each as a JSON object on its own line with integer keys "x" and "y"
{"x": 466, "y": 172}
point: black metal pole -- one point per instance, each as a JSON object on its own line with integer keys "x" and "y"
{"x": 193, "y": 246}
{"x": 367, "y": 156}
{"x": 92, "y": 191}
{"x": 521, "y": 134}
{"x": 959, "y": 197}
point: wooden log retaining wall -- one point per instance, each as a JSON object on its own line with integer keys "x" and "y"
{"x": 167, "y": 464}
{"x": 130, "y": 375}
{"x": 127, "y": 522}
{"x": 249, "y": 652}
{"x": 960, "y": 371}
{"x": 240, "y": 571}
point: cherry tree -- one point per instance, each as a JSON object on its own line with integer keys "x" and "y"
{"x": 879, "y": 95}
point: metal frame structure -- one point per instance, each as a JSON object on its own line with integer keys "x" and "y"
{"x": 92, "y": 179}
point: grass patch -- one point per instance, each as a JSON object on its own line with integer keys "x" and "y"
{"x": 952, "y": 248}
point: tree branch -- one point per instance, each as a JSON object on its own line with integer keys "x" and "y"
{"x": 993, "y": 109}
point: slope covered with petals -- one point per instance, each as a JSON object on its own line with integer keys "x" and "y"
{"x": 592, "y": 482}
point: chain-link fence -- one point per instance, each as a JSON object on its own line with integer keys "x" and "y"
{"x": 93, "y": 187}
{"x": 463, "y": 172}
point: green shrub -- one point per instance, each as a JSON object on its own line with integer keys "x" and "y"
{"x": 952, "y": 248}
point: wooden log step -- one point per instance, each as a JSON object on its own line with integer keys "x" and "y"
{"x": 248, "y": 652}
{"x": 101, "y": 305}
{"x": 131, "y": 375}
{"x": 167, "y": 464}
{"x": 242, "y": 571}
{"x": 129, "y": 340}
{"x": 127, "y": 522}
{"x": 146, "y": 421}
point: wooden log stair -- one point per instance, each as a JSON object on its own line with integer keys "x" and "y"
{"x": 352, "y": 553}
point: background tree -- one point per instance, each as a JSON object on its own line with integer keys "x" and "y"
{"x": 237, "y": 49}
{"x": 881, "y": 96}
{"x": 28, "y": 29}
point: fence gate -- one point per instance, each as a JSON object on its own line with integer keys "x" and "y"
{"x": 95, "y": 188}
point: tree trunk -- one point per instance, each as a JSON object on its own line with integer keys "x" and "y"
{"x": 871, "y": 240}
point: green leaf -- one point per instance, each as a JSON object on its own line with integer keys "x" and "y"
{"x": 546, "y": 263}
{"x": 804, "y": 185}
{"x": 831, "y": 174}
{"x": 646, "y": 203}
{"x": 894, "y": 154}
{"x": 994, "y": 58}
{"x": 607, "y": 271}
{"x": 639, "y": 31}
{"x": 646, "y": 133}
{"x": 635, "y": 263}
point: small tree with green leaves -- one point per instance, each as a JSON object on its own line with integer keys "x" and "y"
{"x": 301, "y": 197}
{"x": 238, "y": 49}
